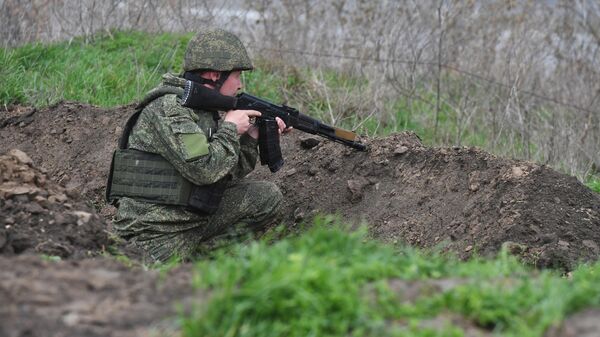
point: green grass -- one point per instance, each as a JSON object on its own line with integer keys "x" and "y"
{"x": 112, "y": 70}
{"x": 333, "y": 282}
{"x": 594, "y": 184}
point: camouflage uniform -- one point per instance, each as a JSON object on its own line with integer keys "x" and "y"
{"x": 203, "y": 151}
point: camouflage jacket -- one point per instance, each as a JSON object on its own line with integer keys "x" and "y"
{"x": 202, "y": 149}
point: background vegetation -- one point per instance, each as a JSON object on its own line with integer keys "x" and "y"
{"x": 518, "y": 78}
{"x": 119, "y": 67}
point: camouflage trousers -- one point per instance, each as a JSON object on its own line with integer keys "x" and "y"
{"x": 165, "y": 231}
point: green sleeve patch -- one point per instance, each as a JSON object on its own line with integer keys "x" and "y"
{"x": 194, "y": 144}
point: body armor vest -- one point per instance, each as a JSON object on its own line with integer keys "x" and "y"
{"x": 148, "y": 177}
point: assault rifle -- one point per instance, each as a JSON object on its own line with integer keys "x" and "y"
{"x": 198, "y": 96}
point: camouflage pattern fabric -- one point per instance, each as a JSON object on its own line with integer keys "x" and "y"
{"x": 203, "y": 151}
{"x": 218, "y": 50}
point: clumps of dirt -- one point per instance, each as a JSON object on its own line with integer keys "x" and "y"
{"x": 40, "y": 216}
{"x": 462, "y": 200}
{"x": 72, "y": 142}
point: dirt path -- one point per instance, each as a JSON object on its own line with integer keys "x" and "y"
{"x": 89, "y": 297}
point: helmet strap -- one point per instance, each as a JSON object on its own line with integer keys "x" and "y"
{"x": 222, "y": 79}
{"x": 188, "y": 75}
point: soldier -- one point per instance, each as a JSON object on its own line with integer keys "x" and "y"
{"x": 210, "y": 154}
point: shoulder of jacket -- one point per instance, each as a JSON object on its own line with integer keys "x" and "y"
{"x": 169, "y": 106}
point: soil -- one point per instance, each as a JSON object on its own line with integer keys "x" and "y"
{"x": 464, "y": 201}
{"x": 460, "y": 200}
{"x": 90, "y": 297}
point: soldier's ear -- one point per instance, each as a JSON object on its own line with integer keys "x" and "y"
{"x": 215, "y": 75}
{"x": 211, "y": 75}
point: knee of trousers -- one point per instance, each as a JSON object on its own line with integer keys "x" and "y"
{"x": 270, "y": 197}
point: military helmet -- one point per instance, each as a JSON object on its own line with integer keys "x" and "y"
{"x": 218, "y": 50}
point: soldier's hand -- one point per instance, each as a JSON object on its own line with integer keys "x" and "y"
{"x": 253, "y": 130}
{"x": 282, "y": 127}
{"x": 241, "y": 118}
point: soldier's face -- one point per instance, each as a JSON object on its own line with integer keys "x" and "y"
{"x": 232, "y": 84}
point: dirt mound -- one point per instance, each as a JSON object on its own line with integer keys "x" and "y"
{"x": 72, "y": 142}
{"x": 462, "y": 199}
{"x": 40, "y": 216}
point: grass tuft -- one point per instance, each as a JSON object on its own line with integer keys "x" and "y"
{"x": 334, "y": 282}
{"x": 594, "y": 184}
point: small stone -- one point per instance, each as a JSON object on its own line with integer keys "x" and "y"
{"x": 71, "y": 319}
{"x": 517, "y": 172}
{"x": 356, "y": 187}
{"x": 9, "y": 191}
{"x": 313, "y": 171}
{"x": 563, "y": 243}
{"x": 469, "y": 248}
{"x": 82, "y": 217}
{"x": 72, "y": 192}
{"x": 290, "y": 172}
{"x": 21, "y": 156}
{"x": 400, "y": 150}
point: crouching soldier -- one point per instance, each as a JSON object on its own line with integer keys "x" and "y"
{"x": 177, "y": 177}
